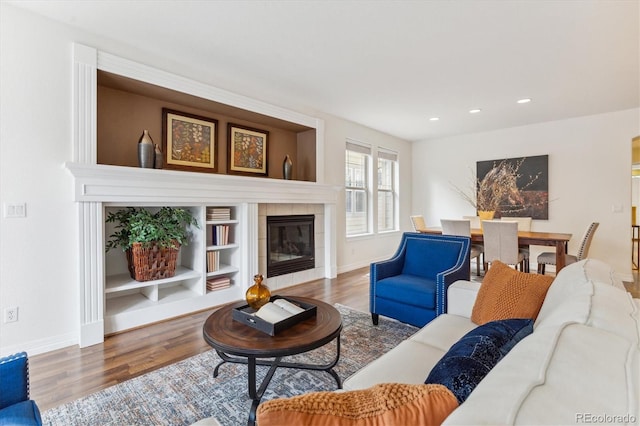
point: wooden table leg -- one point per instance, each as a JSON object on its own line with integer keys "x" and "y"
{"x": 560, "y": 256}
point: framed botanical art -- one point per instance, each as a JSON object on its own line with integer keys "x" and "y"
{"x": 247, "y": 149}
{"x": 189, "y": 141}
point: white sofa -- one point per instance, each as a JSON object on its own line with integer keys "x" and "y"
{"x": 581, "y": 364}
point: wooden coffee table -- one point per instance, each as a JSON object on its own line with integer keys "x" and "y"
{"x": 239, "y": 343}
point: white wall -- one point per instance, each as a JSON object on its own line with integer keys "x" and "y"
{"x": 589, "y": 174}
{"x": 38, "y": 254}
{"x": 358, "y": 252}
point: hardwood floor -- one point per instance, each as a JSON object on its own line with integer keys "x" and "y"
{"x": 67, "y": 374}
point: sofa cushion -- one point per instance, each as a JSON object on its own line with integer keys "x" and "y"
{"x": 476, "y": 353}
{"x": 506, "y": 293}
{"x": 409, "y": 362}
{"x": 461, "y": 296}
{"x": 408, "y": 288}
{"x": 443, "y": 331}
{"x": 568, "y": 299}
{"x": 558, "y": 376}
{"x": 614, "y": 310}
{"x": 412, "y": 360}
{"x": 384, "y": 404}
{"x": 585, "y": 293}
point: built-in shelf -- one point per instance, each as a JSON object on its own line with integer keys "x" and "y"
{"x": 223, "y": 247}
{"x": 224, "y": 270}
{"x": 122, "y": 282}
{"x": 138, "y": 302}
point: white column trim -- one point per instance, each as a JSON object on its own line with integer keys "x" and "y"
{"x": 330, "y": 245}
{"x": 90, "y": 239}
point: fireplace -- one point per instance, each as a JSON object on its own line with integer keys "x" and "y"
{"x": 290, "y": 244}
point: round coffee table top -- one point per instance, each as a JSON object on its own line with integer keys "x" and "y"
{"x": 232, "y": 337}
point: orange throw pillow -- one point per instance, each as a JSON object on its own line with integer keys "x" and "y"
{"x": 387, "y": 404}
{"x": 506, "y": 294}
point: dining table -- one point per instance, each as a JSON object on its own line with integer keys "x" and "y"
{"x": 525, "y": 238}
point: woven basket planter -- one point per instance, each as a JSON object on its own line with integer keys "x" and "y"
{"x": 151, "y": 263}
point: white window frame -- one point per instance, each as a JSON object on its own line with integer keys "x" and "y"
{"x": 392, "y": 156}
{"x": 366, "y": 189}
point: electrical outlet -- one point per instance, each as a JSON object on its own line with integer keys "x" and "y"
{"x": 11, "y": 314}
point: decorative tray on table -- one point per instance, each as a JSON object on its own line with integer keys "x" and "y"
{"x": 277, "y": 315}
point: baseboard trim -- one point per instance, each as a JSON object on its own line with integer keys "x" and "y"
{"x": 36, "y": 347}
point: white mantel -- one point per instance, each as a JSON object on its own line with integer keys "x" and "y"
{"x": 114, "y": 184}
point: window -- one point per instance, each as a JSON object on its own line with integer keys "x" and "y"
{"x": 387, "y": 190}
{"x": 357, "y": 185}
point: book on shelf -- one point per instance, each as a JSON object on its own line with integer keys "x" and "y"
{"x": 218, "y": 283}
{"x": 278, "y": 310}
{"x": 220, "y": 235}
{"x": 213, "y": 261}
{"x": 218, "y": 213}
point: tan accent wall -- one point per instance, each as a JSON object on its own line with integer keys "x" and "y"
{"x": 122, "y": 116}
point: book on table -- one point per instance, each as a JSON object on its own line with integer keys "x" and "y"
{"x": 277, "y": 315}
{"x": 278, "y": 310}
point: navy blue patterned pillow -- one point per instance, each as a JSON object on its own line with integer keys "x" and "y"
{"x": 476, "y": 353}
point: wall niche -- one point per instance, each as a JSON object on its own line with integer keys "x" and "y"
{"x": 126, "y": 107}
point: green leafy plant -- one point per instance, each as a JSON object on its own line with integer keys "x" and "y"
{"x": 168, "y": 227}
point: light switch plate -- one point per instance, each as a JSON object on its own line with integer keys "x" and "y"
{"x": 15, "y": 210}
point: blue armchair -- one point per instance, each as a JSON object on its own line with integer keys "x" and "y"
{"x": 15, "y": 406}
{"x": 412, "y": 286}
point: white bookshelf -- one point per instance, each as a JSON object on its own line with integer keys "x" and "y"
{"x": 130, "y": 303}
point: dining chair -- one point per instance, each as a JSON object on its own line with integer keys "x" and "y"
{"x": 462, "y": 228}
{"x": 418, "y": 222}
{"x": 549, "y": 258}
{"x": 475, "y": 221}
{"x": 501, "y": 243}
{"x": 524, "y": 224}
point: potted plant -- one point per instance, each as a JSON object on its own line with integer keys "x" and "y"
{"x": 151, "y": 241}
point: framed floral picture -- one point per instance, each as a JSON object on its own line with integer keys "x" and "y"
{"x": 189, "y": 141}
{"x": 247, "y": 149}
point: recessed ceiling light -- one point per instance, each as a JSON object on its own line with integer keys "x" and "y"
{"x": 524, "y": 101}
{"x": 474, "y": 111}
{"x": 434, "y": 119}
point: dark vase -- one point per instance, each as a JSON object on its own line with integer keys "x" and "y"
{"x": 287, "y": 167}
{"x": 158, "y": 160}
{"x": 146, "y": 151}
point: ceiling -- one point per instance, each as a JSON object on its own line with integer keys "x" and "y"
{"x": 391, "y": 65}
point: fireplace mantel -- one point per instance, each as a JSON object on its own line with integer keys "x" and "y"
{"x": 117, "y": 184}
{"x": 97, "y": 187}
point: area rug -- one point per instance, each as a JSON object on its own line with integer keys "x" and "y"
{"x": 185, "y": 392}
